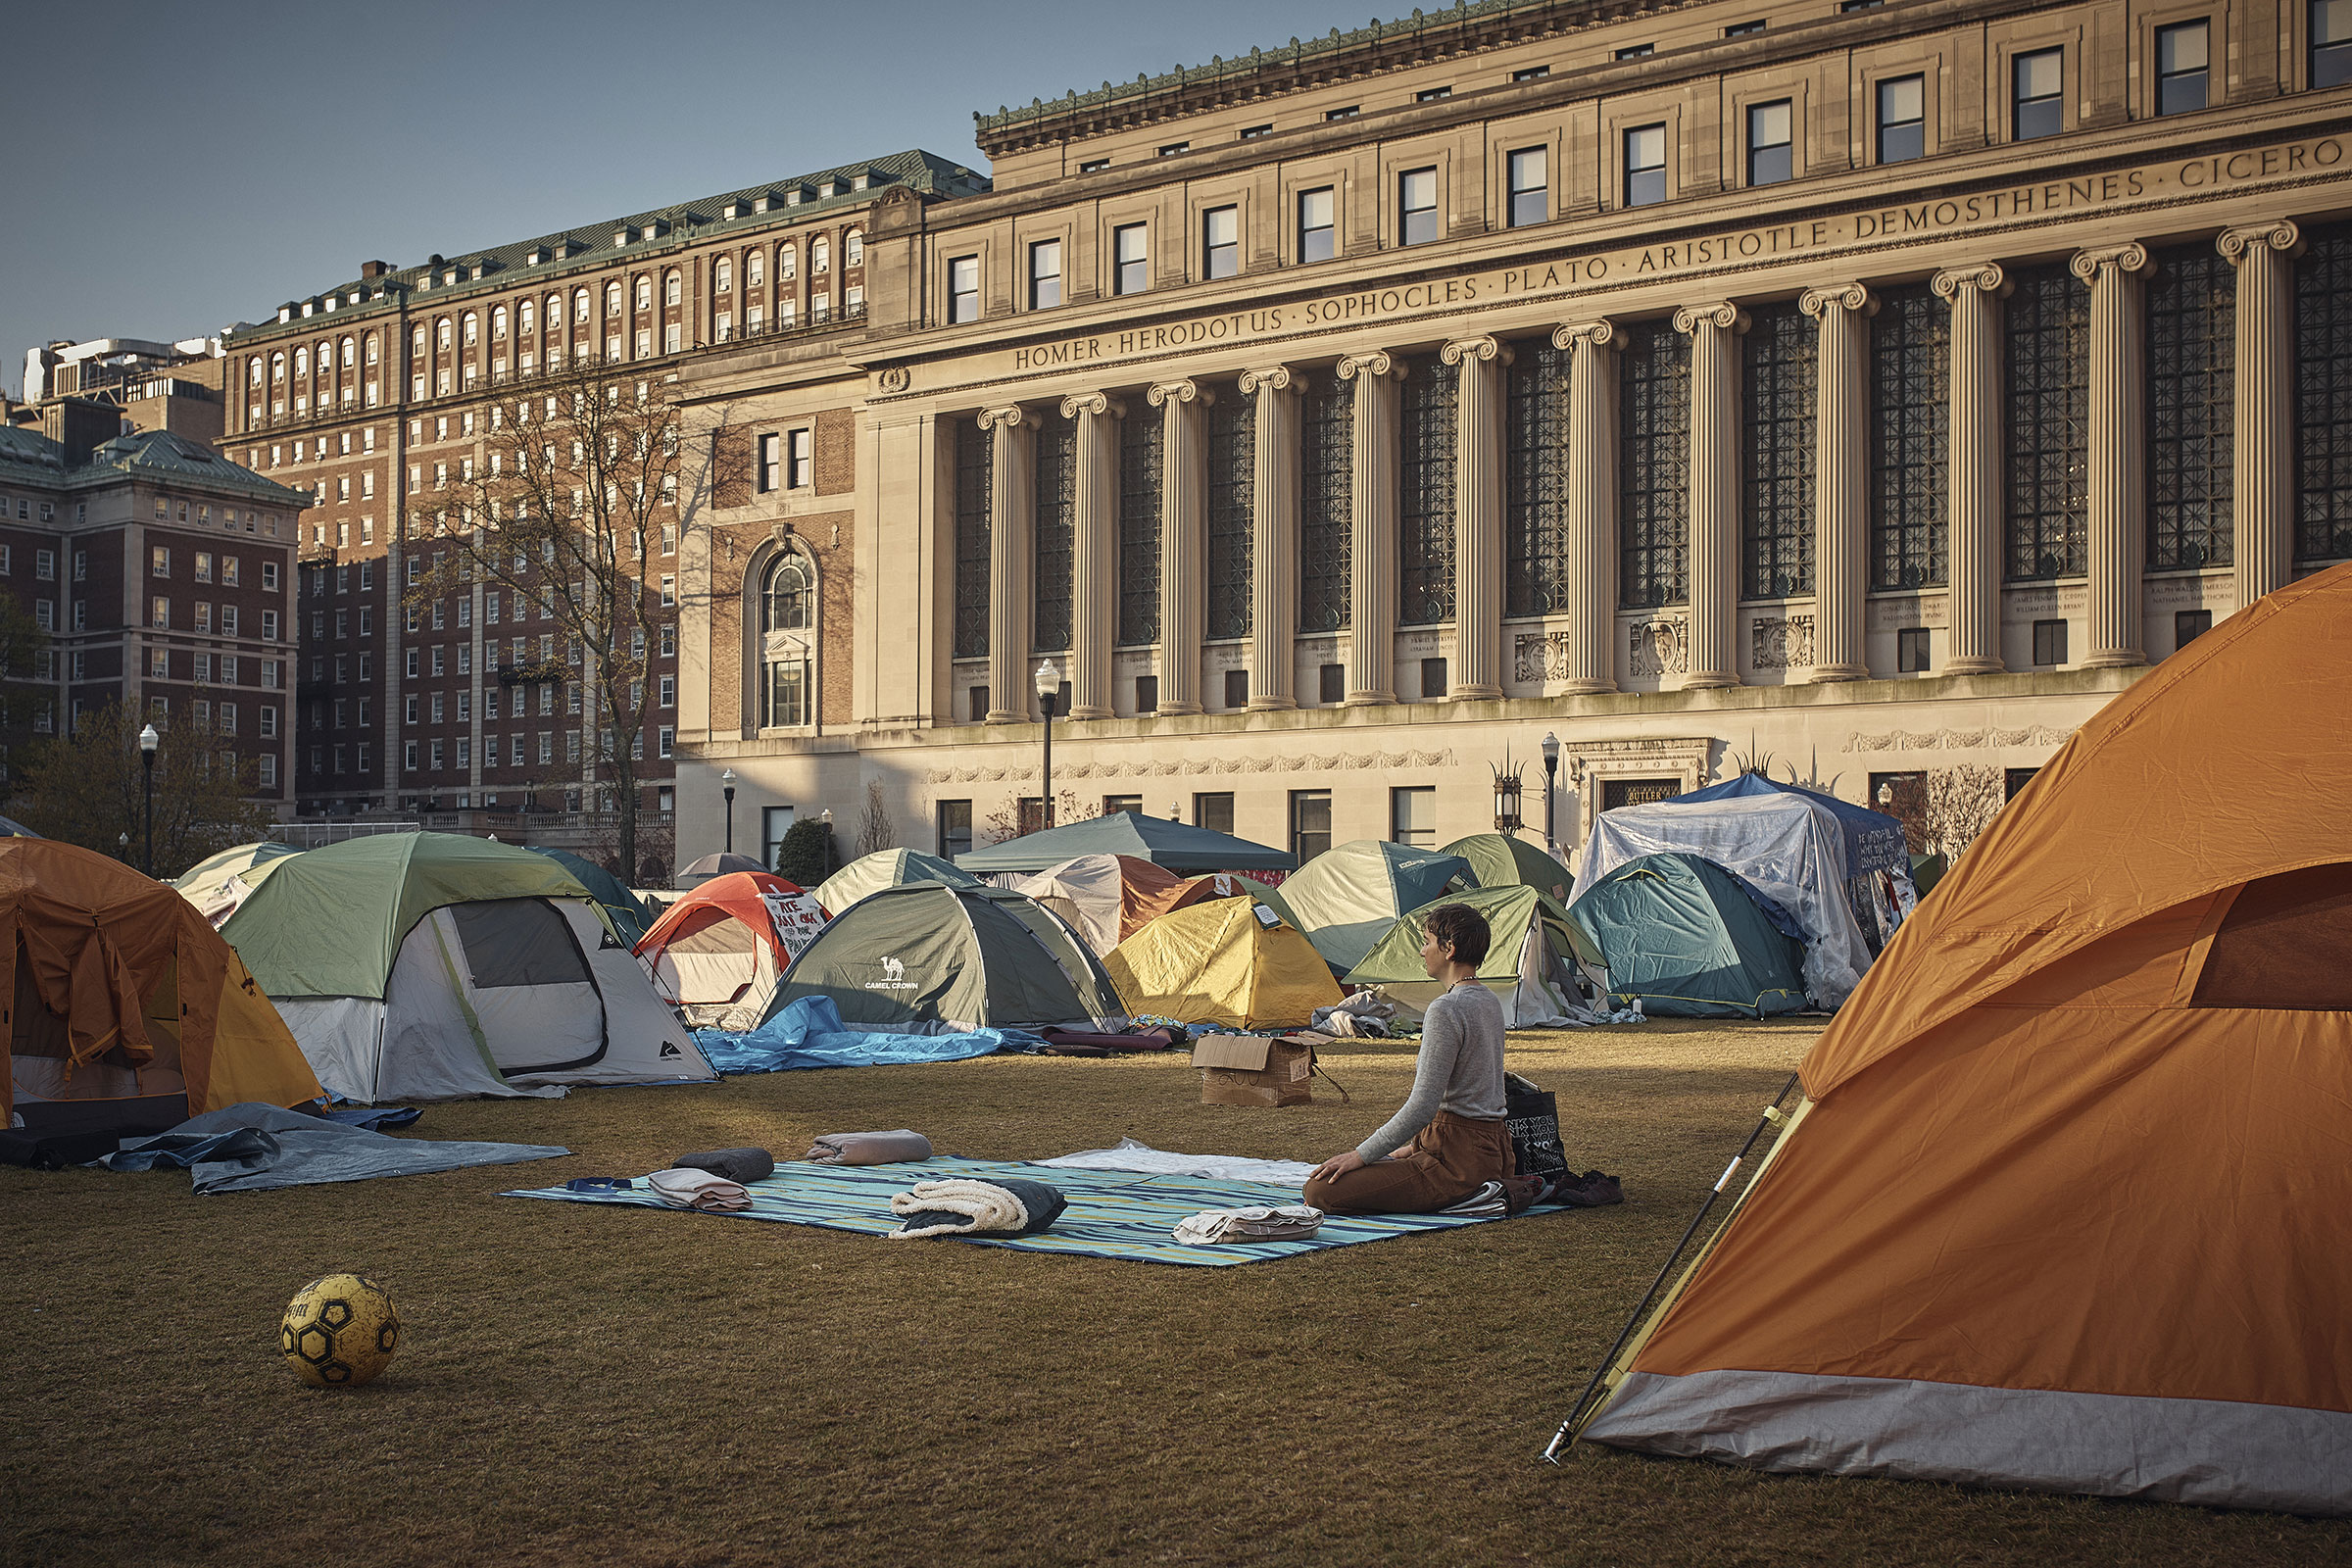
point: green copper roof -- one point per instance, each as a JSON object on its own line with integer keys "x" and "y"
{"x": 28, "y": 457}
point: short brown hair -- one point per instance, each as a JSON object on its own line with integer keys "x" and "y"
{"x": 1463, "y": 929}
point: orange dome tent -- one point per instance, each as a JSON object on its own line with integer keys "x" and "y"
{"x": 129, "y": 1011}
{"x": 2065, "y": 1207}
{"x": 718, "y": 952}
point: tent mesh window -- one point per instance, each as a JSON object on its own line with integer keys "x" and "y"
{"x": 1232, "y": 510}
{"x": 1326, "y": 503}
{"x": 2324, "y": 395}
{"x": 1535, "y": 476}
{"x": 2048, "y": 343}
{"x": 973, "y": 456}
{"x": 1056, "y": 475}
{"x": 1425, "y": 493}
{"x": 1653, "y": 467}
{"x": 1910, "y": 378}
{"x": 2286, "y": 944}
{"x": 2191, "y": 382}
{"x": 1140, "y": 435}
{"x": 1776, "y": 546}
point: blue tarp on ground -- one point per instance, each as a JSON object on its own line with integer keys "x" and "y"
{"x": 252, "y": 1148}
{"x": 808, "y": 1032}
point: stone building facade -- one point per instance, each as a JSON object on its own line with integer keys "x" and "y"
{"x": 1868, "y": 395}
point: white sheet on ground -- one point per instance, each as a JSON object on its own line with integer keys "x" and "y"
{"x": 1128, "y": 1154}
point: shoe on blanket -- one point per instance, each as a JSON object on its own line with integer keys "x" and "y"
{"x": 1522, "y": 1193}
{"x": 1592, "y": 1190}
{"x": 1487, "y": 1200}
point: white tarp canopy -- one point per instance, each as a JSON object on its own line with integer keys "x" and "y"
{"x": 1789, "y": 849}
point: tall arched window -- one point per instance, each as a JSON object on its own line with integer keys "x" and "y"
{"x": 723, "y": 276}
{"x": 525, "y": 318}
{"x": 788, "y": 623}
{"x": 441, "y": 331}
{"x": 253, "y": 371}
{"x": 613, "y": 298}
{"x": 644, "y": 293}
{"x": 498, "y": 322}
{"x": 853, "y": 248}
{"x": 302, "y": 361}
{"x": 350, "y": 352}
{"x": 326, "y": 356}
{"x": 754, "y": 273}
{"x": 277, "y": 366}
{"x": 373, "y": 351}
{"x": 474, "y": 329}
{"x": 788, "y": 259}
{"x": 820, "y": 254}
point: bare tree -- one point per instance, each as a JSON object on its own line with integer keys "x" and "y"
{"x": 563, "y": 513}
{"x": 90, "y": 788}
{"x": 1962, "y": 803}
{"x": 874, "y": 830}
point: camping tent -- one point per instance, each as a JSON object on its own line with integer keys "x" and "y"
{"x": 432, "y": 966}
{"x": 1346, "y": 897}
{"x": 129, "y": 1011}
{"x": 1498, "y": 859}
{"x": 1691, "y": 940}
{"x": 1234, "y": 885}
{"x": 1878, "y": 859}
{"x": 718, "y": 952}
{"x": 1109, "y": 895}
{"x": 2063, "y": 1206}
{"x": 1790, "y": 847}
{"x": 621, "y": 907}
{"x": 1163, "y": 843}
{"x": 725, "y": 864}
{"x": 219, "y": 883}
{"x": 1528, "y": 961}
{"x": 1230, "y": 962}
{"x": 923, "y": 958}
{"x": 885, "y": 869}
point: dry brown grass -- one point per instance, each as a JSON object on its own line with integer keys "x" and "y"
{"x": 589, "y": 1385}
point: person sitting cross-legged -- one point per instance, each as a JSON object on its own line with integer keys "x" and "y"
{"x": 1450, "y": 1139}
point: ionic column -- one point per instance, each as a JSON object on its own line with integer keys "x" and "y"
{"x": 1012, "y": 553}
{"x": 1372, "y": 584}
{"x": 1477, "y": 519}
{"x": 1274, "y": 543}
{"x": 1094, "y": 551}
{"x": 1183, "y": 491}
{"x": 1841, "y": 480}
{"x": 1714, "y": 489}
{"x": 2118, "y": 521}
{"x": 1973, "y": 449}
{"x": 1592, "y": 504}
{"x": 2263, "y": 498}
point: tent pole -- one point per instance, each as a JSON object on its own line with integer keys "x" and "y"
{"x": 1772, "y": 1114}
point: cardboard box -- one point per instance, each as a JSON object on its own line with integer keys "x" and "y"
{"x": 1253, "y": 1070}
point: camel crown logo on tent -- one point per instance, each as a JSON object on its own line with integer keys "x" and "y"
{"x": 893, "y": 973}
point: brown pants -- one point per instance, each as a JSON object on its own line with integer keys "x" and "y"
{"x": 1445, "y": 1162}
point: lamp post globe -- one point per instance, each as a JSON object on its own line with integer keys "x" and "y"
{"x": 726, "y": 787}
{"x": 1049, "y": 687}
{"x": 148, "y": 741}
{"x": 1551, "y": 773}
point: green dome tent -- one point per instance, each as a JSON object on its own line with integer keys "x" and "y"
{"x": 885, "y": 869}
{"x": 621, "y": 907}
{"x": 434, "y": 966}
{"x": 1528, "y": 963}
{"x": 1345, "y": 899}
{"x": 1502, "y": 858}
{"x": 926, "y": 958}
{"x": 1690, "y": 940}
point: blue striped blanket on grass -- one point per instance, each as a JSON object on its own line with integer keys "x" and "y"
{"x": 1112, "y": 1214}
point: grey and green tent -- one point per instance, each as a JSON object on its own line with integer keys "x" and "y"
{"x": 885, "y": 869}
{"x": 924, "y": 958}
{"x": 621, "y": 907}
{"x": 1690, "y": 940}
{"x": 1173, "y": 846}
{"x": 1345, "y": 899}
{"x": 1529, "y": 963}
{"x": 434, "y": 966}
{"x": 1500, "y": 858}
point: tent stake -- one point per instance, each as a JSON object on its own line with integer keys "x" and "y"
{"x": 1772, "y": 1114}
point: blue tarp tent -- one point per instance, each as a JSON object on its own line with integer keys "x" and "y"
{"x": 1874, "y": 841}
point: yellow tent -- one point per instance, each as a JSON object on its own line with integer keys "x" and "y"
{"x": 1228, "y": 961}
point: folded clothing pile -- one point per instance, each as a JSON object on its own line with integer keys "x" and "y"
{"x": 1368, "y": 1013}
{"x": 698, "y": 1188}
{"x": 868, "y": 1148}
{"x": 964, "y": 1206}
{"x": 1290, "y": 1223}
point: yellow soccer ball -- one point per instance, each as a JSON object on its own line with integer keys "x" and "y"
{"x": 339, "y": 1332}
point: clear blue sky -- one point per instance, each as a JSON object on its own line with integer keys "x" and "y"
{"x": 182, "y": 165}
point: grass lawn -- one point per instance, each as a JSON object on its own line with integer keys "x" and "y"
{"x": 585, "y": 1385}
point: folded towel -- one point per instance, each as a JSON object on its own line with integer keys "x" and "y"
{"x": 698, "y": 1188}
{"x": 735, "y": 1164}
{"x": 868, "y": 1148}
{"x": 1290, "y": 1222}
{"x": 962, "y": 1206}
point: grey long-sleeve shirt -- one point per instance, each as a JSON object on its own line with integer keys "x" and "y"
{"x": 1459, "y": 1068}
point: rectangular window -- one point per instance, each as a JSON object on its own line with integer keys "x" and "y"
{"x": 1771, "y": 152}
{"x": 1318, "y": 236}
{"x": 1529, "y": 170}
{"x": 1348, "y": 113}
{"x": 1910, "y": 378}
{"x": 2047, "y": 361}
{"x": 1536, "y": 531}
{"x": 159, "y": 613}
{"x": 1653, "y": 467}
{"x": 1237, "y": 688}
{"x": 1644, "y": 166}
{"x": 1147, "y": 694}
{"x": 954, "y": 825}
{"x": 1130, "y": 268}
{"x": 1416, "y": 207}
{"x": 963, "y": 289}
{"x": 1174, "y": 149}
{"x": 771, "y": 472}
{"x": 2049, "y": 642}
{"x": 2323, "y": 416}
{"x": 2188, "y": 625}
{"x": 1780, "y": 357}
{"x": 1045, "y": 275}
{"x": 1330, "y": 683}
{"x": 1232, "y": 507}
{"x": 1911, "y": 650}
{"x": 1635, "y": 51}
{"x": 2036, "y": 102}
{"x": 2331, "y": 43}
{"x": 2180, "y": 61}
{"x": 973, "y": 445}
{"x": 1902, "y": 118}
{"x": 1531, "y": 73}
{"x": 799, "y": 459}
{"x": 975, "y": 704}
{"x": 1326, "y": 503}
{"x": 1213, "y": 812}
{"x": 1433, "y": 679}
{"x": 1220, "y": 242}
{"x": 2192, "y": 354}
{"x": 1432, "y": 95}
{"x": 159, "y": 563}
{"x": 1425, "y": 491}
{"x": 1093, "y": 165}
{"x": 1141, "y": 434}
{"x": 1253, "y": 133}
{"x": 1310, "y": 823}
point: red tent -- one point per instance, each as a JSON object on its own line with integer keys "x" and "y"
{"x": 719, "y": 951}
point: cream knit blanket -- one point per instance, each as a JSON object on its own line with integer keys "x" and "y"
{"x": 988, "y": 1207}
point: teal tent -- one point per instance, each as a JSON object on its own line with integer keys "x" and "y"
{"x": 1345, "y": 899}
{"x": 923, "y": 958}
{"x": 621, "y": 907}
{"x": 1690, "y": 940}
{"x": 1171, "y": 845}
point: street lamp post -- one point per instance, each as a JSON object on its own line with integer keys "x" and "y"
{"x": 1551, "y": 777}
{"x": 148, "y": 739}
{"x": 1049, "y": 687}
{"x": 726, "y": 783}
